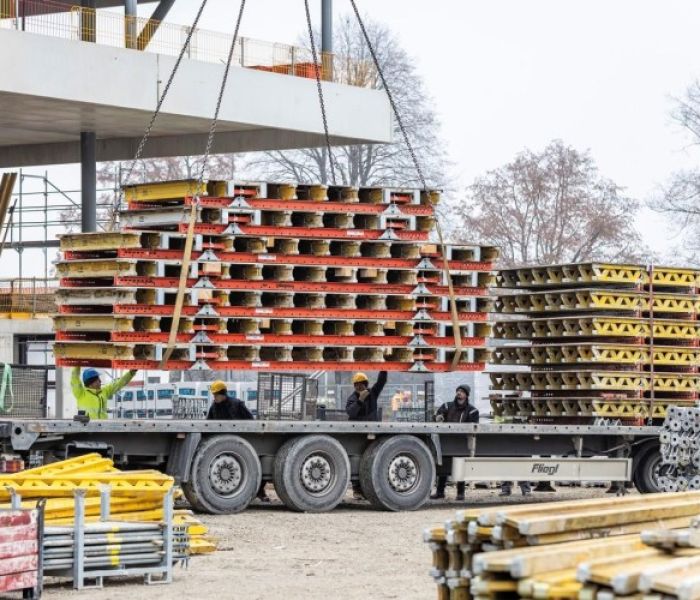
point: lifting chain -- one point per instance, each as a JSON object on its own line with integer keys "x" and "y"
{"x": 397, "y": 115}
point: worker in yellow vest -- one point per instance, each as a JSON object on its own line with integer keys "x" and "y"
{"x": 91, "y": 397}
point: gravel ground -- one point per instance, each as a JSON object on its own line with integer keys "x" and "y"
{"x": 351, "y": 553}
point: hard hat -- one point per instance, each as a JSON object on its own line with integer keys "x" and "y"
{"x": 360, "y": 378}
{"x": 217, "y": 387}
{"x": 89, "y": 375}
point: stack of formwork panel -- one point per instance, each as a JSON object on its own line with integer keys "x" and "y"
{"x": 283, "y": 277}
{"x": 593, "y": 340}
{"x": 572, "y": 549}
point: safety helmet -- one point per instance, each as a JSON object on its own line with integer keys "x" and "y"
{"x": 217, "y": 387}
{"x": 359, "y": 378}
{"x": 89, "y": 375}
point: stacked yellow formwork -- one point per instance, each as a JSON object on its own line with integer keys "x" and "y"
{"x": 568, "y": 550}
{"x": 583, "y": 341}
{"x": 282, "y": 277}
{"x": 134, "y": 495}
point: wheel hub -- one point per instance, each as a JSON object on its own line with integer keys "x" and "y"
{"x": 403, "y": 473}
{"x": 316, "y": 473}
{"x": 225, "y": 474}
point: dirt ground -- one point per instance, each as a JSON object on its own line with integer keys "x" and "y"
{"x": 351, "y": 553}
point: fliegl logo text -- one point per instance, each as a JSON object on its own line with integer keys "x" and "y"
{"x": 544, "y": 469}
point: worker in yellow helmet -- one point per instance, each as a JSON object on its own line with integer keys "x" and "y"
{"x": 225, "y": 407}
{"x": 362, "y": 406}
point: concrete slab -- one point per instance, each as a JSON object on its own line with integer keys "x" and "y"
{"x": 52, "y": 89}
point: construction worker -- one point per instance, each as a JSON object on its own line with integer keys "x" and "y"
{"x": 458, "y": 411}
{"x": 361, "y": 405}
{"x": 91, "y": 397}
{"x": 227, "y": 408}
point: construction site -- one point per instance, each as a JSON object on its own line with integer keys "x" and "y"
{"x": 193, "y": 367}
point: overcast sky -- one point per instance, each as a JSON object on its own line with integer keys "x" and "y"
{"x": 512, "y": 74}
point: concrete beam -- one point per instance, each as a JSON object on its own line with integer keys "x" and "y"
{"x": 78, "y": 87}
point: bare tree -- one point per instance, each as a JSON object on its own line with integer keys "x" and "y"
{"x": 550, "y": 207}
{"x": 369, "y": 164}
{"x": 680, "y": 196}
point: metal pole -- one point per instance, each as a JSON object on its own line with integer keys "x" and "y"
{"x": 88, "y": 180}
{"x": 327, "y": 39}
{"x": 130, "y": 31}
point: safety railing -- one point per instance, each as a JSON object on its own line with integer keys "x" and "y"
{"x": 30, "y": 296}
{"x": 109, "y": 28}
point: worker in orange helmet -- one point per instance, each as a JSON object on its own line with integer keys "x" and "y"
{"x": 362, "y": 406}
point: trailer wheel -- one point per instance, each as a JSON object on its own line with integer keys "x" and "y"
{"x": 311, "y": 473}
{"x": 397, "y": 473}
{"x": 226, "y": 475}
{"x": 647, "y": 471}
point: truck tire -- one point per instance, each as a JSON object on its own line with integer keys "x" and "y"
{"x": 311, "y": 473}
{"x": 646, "y": 470}
{"x": 226, "y": 475}
{"x": 397, "y": 473}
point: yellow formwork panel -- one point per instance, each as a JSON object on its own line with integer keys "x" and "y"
{"x": 164, "y": 190}
{"x": 92, "y": 323}
{"x": 596, "y": 353}
{"x": 61, "y": 488}
{"x": 98, "y": 268}
{"x": 104, "y": 240}
{"x": 614, "y": 300}
{"x": 597, "y": 273}
{"x": 594, "y": 380}
{"x": 616, "y": 327}
{"x": 87, "y": 463}
{"x": 91, "y": 350}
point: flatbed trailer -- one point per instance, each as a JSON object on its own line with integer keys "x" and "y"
{"x": 221, "y": 464}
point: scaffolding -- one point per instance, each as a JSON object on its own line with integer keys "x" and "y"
{"x": 39, "y": 210}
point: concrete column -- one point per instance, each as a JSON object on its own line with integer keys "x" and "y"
{"x": 130, "y": 31}
{"x": 327, "y": 38}
{"x": 88, "y": 182}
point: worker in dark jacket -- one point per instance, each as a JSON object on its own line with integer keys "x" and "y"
{"x": 460, "y": 410}
{"x": 361, "y": 405}
{"x": 227, "y": 408}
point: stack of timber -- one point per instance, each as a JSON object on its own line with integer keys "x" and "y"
{"x": 134, "y": 496}
{"x": 282, "y": 277}
{"x": 585, "y": 341}
{"x": 583, "y": 549}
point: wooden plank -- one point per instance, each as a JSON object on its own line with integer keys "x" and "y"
{"x": 666, "y": 577}
{"x": 609, "y": 517}
{"x": 499, "y": 514}
{"x": 18, "y": 533}
{"x": 527, "y": 562}
{"x": 18, "y": 581}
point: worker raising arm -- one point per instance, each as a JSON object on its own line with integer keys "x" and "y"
{"x": 91, "y": 397}
{"x": 225, "y": 407}
{"x": 362, "y": 403}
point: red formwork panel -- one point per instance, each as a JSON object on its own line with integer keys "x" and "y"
{"x": 275, "y": 366}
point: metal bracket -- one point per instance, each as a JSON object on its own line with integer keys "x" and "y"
{"x": 204, "y": 283}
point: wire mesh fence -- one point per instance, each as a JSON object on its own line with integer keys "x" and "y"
{"x": 283, "y": 396}
{"x": 27, "y": 296}
{"x": 79, "y": 23}
{"x": 23, "y": 391}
